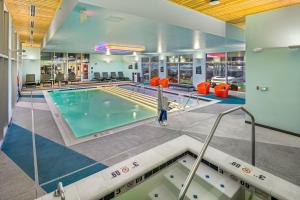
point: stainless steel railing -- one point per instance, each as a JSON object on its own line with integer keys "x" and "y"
{"x": 208, "y": 140}
{"x": 36, "y": 174}
{"x": 192, "y": 95}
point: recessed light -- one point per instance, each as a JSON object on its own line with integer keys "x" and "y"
{"x": 32, "y": 10}
{"x": 214, "y": 2}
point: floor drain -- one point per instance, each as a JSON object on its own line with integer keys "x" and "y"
{"x": 222, "y": 185}
{"x": 171, "y": 176}
{"x": 155, "y": 195}
{"x": 195, "y": 196}
{"x": 206, "y": 176}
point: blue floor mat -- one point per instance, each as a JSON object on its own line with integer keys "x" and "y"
{"x": 229, "y": 100}
{"x": 54, "y": 160}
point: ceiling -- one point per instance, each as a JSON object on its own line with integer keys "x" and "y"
{"x": 20, "y": 11}
{"x": 81, "y": 33}
{"x": 234, "y": 11}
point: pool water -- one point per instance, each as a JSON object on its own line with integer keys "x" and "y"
{"x": 90, "y": 111}
{"x": 183, "y": 100}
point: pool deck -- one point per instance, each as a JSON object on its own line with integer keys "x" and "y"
{"x": 277, "y": 153}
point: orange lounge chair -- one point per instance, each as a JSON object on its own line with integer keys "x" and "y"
{"x": 154, "y": 81}
{"x": 221, "y": 90}
{"x": 164, "y": 82}
{"x": 203, "y": 88}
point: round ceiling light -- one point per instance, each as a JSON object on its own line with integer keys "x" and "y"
{"x": 214, "y": 2}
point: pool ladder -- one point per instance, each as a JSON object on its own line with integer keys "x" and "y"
{"x": 208, "y": 140}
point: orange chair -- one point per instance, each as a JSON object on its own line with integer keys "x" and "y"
{"x": 164, "y": 82}
{"x": 203, "y": 88}
{"x": 221, "y": 90}
{"x": 154, "y": 81}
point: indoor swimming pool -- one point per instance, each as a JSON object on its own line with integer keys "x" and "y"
{"x": 88, "y": 111}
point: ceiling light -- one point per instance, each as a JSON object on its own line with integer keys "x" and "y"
{"x": 134, "y": 53}
{"x": 32, "y": 10}
{"x": 214, "y": 2}
{"x": 257, "y": 50}
{"x": 32, "y": 24}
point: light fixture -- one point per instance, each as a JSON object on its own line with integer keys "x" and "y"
{"x": 214, "y": 2}
{"x": 257, "y": 50}
{"x": 31, "y": 24}
{"x": 134, "y": 53}
{"x": 32, "y": 10}
{"x": 116, "y": 48}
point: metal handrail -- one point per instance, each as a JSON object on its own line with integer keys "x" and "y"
{"x": 190, "y": 96}
{"x": 208, "y": 140}
{"x": 36, "y": 173}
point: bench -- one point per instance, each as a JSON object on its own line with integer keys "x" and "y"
{"x": 182, "y": 86}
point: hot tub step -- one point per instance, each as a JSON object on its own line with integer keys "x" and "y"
{"x": 196, "y": 190}
{"x": 161, "y": 193}
{"x": 223, "y": 182}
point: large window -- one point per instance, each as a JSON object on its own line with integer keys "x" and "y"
{"x": 154, "y": 66}
{"x": 215, "y": 66}
{"x": 150, "y": 67}
{"x": 53, "y": 63}
{"x": 180, "y": 69}
{"x": 172, "y": 72}
{"x": 226, "y": 68}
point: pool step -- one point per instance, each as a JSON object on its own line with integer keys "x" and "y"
{"x": 131, "y": 93}
{"x": 196, "y": 191}
{"x": 223, "y": 182}
{"x": 161, "y": 193}
{"x": 132, "y": 96}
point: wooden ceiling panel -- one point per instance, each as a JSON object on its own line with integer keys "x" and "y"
{"x": 234, "y": 11}
{"x": 44, "y": 13}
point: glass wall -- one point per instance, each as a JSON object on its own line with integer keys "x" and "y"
{"x": 150, "y": 67}
{"x": 145, "y": 69}
{"x": 53, "y": 63}
{"x": 180, "y": 69}
{"x": 154, "y": 65}
{"x": 215, "y": 66}
{"x": 226, "y": 68}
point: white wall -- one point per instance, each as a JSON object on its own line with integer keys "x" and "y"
{"x": 276, "y": 67}
{"x": 31, "y": 63}
{"x": 165, "y": 12}
{"x": 199, "y": 60}
{"x": 112, "y": 63}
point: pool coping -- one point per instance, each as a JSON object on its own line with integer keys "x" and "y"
{"x": 70, "y": 139}
{"x": 107, "y": 184}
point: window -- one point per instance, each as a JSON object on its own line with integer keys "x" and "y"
{"x": 150, "y": 67}
{"x": 226, "y": 68}
{"x": 172, "y": 72}
{"x": 186, "y": 73}
{"x": 180, "y": 69}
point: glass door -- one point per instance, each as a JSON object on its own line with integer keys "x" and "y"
{"x": 154, "y": 67}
